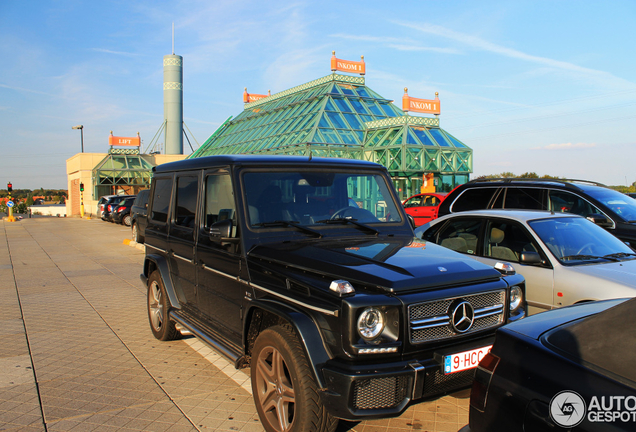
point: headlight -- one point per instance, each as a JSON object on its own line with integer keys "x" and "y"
{"x": 516, "y": 297}
{"x": 370, "y": 323}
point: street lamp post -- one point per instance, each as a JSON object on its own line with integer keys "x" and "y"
{"x": 81, "y": 128}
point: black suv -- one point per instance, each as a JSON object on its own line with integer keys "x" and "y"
{"x": 610, "y": 209}
{"x": 138, "y": 216}
{"x": 308, "y": 271}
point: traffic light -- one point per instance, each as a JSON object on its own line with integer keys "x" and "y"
{"x": 81, "y": 187}
{"x": 9, "y": 187}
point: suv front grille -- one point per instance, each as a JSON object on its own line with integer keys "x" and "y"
{"x": 431, "y": 321}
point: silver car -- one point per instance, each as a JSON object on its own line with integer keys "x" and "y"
{"x": 564, "y": 258}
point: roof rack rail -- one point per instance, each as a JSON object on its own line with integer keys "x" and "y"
{"x": 524, "y": 179}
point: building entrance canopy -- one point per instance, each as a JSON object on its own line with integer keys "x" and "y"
{"x": 121, "y": 172}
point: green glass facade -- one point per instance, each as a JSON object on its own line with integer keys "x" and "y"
{"x": 128, "y": 172}
{"x": 338, "y": 116}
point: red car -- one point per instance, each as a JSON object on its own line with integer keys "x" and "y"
{"x": 423, "y": 207}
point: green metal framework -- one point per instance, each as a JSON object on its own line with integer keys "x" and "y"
{"x": 130, "y": 172}
{"x": 338, "y": 116}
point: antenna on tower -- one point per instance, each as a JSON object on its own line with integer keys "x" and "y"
{"x": 173, "y": 38}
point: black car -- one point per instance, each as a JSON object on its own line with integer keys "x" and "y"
{"x": 121, "y": 212}
{"x": 111, "y": 204}
{"x": 307, "y": 270}
{"x": 608, "y": 208}
{"x": 566, "y": 369}
{"x": 138, "y": 216}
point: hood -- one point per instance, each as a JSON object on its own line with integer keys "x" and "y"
{"x": 393, "y": 264}
{"x": 621, "y": 273}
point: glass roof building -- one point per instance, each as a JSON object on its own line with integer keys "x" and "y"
{"x": 128, "y": 172}
{"x": 339, "y": 116}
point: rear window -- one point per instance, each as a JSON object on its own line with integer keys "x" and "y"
{"x": 142, "y": 198}
{"x": 524, "y": 198}
{"x": 161, "y": 200}
{"x": 473, "y": 199}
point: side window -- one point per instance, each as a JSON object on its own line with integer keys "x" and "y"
{"x": 186, "y": 202}
{"x": 414, "y": 202}
{"x": 507, "y": 240}
{"x": 473, "y": 199}
{"x": 161, "y": 200}
{"x": 524, "y": 198}
{"x": 561, "y": 201}
{"x": 460, "y": 235}
{"x": 219, "y": 200}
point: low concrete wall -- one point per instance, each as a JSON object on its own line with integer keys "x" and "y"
{"x": 49, "y": 209}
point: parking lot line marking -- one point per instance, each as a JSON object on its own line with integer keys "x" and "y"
{"x": 238, "y": 376}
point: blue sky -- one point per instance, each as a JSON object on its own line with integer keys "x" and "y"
{"x": 542, "y": 86}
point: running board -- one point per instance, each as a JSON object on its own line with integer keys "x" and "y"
{"x": 190, "y": 327}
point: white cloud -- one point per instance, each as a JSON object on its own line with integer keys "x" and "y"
{"x": 566, "y": 146}
{"x": 121, "y": 53}
{"x": 400, "y": 44}
{"x": 483, "y": 45}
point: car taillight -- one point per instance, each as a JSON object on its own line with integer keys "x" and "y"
{"x": 481, "y": 383}
{"x": 110, "y": 208}
{"x": 121, "y": 209}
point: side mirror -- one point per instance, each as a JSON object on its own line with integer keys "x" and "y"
{"x": 599, "y": 220}
{"x": 530, "y": 257}
{"x": 411, "y": 221}
{"x": 221, "y": 231}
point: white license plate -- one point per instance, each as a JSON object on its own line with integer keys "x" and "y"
{"x": 464, "y": 360}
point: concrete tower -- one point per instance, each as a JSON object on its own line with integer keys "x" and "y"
{"x": 173, "y": 102}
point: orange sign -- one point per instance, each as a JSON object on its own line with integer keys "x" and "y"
{"x": 124, "y": 141}
{"x": 428, "y": 106}
{"x": 247, "y": 98}
{"x": 347, "y": 65}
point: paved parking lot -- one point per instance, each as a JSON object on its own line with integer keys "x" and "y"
{"x": 77, "y": 354}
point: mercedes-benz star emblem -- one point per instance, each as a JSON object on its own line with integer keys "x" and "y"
{"x": 462, "y": 316}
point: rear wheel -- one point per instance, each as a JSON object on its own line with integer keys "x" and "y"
{"x": 285, "y": 392}
{"x": 135, "y": 233}
{"x": 126, "y": 220}
{"x": 160, "y": 323}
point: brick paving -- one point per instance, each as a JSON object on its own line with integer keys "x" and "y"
{"x": 77, "y": 354}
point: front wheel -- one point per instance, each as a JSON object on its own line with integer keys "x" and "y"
{"x": 284, "y": 389}
{"x": 160, "y": 324}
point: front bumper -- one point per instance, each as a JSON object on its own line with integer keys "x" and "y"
{"x": 385, "y": 390}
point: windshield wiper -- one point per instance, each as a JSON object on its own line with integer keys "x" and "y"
{"x": 289, "y": 224}
{"x": 344, "y": 221}
{"x": 589, "y": 257}
{"x": 620, "y": 255}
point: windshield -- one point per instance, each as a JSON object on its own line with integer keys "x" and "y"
{"x": 317, "y": 197}
{"x": 621, "y": 204}
{"x": 576, "y": 240}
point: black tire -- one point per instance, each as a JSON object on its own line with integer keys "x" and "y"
{"x": 126, "y": 220}
{"x": 135, "y": 233}
{"x": 281, "y": 378}
{"x": 157, "y": 301}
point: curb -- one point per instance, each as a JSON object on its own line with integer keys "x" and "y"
{"x": 134, "y": 244}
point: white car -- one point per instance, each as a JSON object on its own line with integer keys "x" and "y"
{"x": 564, "y": 258}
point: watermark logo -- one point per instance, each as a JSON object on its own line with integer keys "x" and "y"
{"x": 567, "y": 409}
